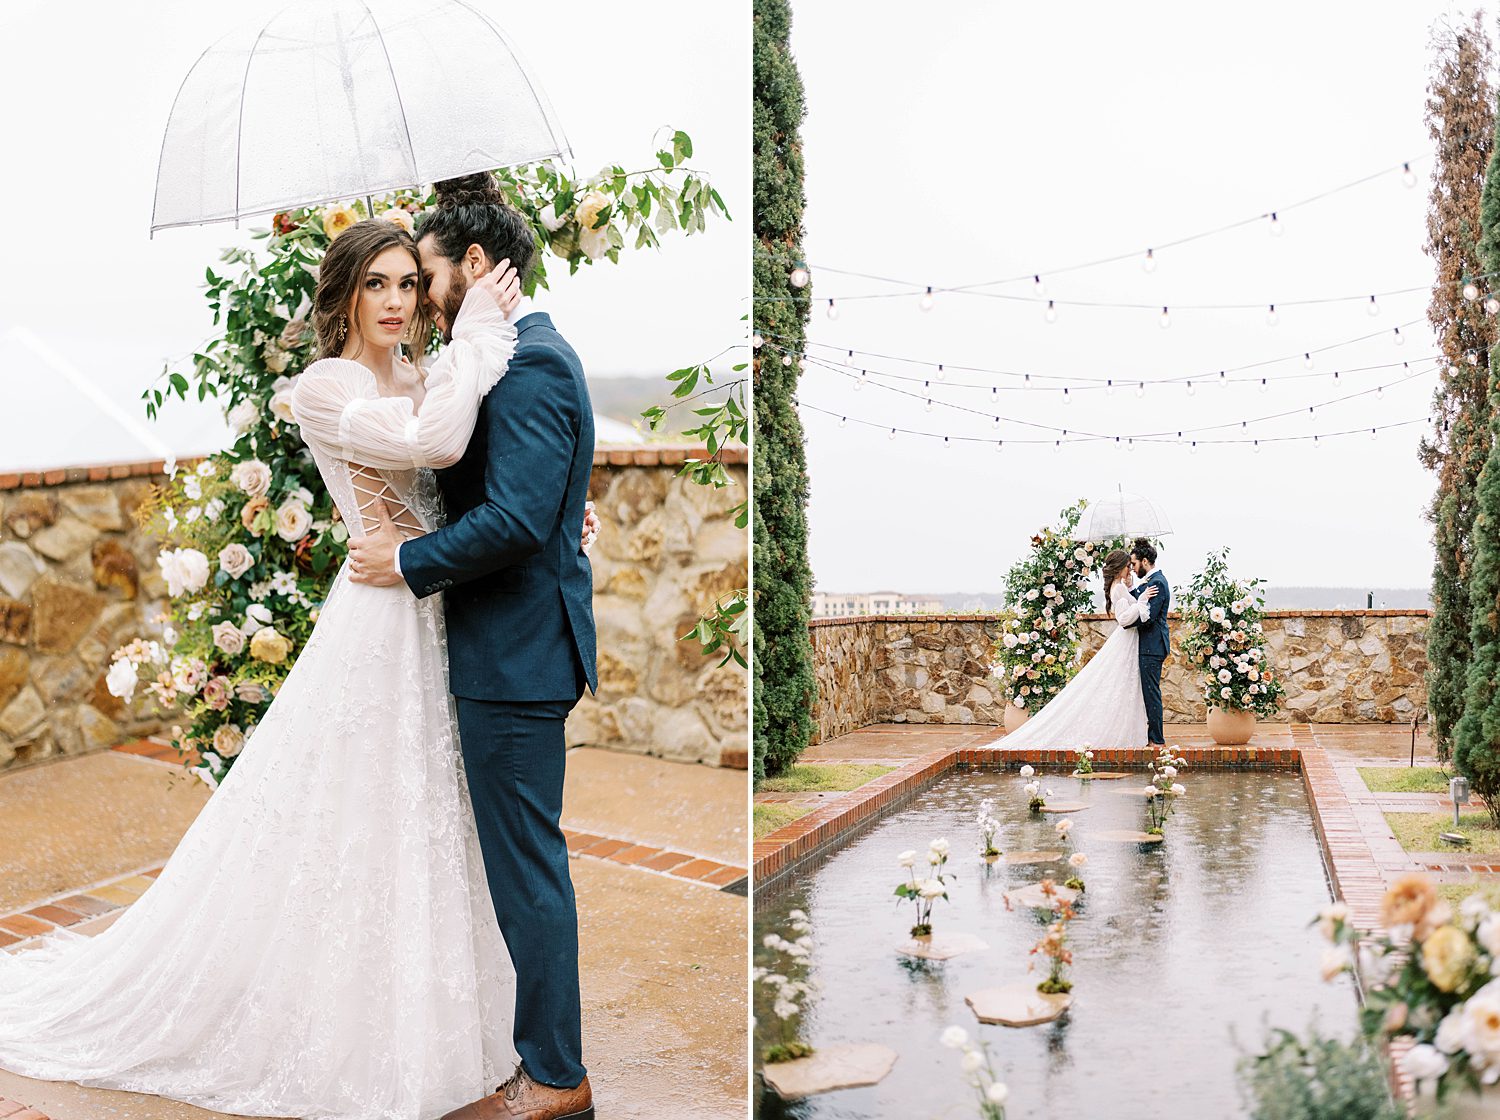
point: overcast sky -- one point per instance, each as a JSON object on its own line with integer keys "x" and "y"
{"x": 89, "y": 85}
{"x": 957, "y": 143}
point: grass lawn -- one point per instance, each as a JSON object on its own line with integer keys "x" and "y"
{"x": 824, "y": 777}
{"x": 1418, "y": 832}
{"x": 1404, "y": 779}
{"x": 1454, "y": 893}
{"x": 768, "y": 818}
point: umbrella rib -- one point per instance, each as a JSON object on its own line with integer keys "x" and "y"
{"x": 239, "y": 126}
{"x": 411, "y": 150}
{"x": 541, "y": 98}
{"x": 161, "y": 155}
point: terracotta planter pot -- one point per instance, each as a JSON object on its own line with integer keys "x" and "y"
{"x": 1015, "y": 716}
{"x": 1230, "y": 728}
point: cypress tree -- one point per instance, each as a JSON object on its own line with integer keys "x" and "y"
{"x": 783, "y": 681}
{"x": 1460, "y": 120}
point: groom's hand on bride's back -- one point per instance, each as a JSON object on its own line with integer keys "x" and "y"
{"x": 372, "y": 558}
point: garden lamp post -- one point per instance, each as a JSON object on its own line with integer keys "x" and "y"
{"x": 1458, "y": 790}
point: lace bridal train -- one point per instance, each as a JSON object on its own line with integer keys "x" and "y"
{"x": 322, "y": 943}
{"x": 1102, "y": 706}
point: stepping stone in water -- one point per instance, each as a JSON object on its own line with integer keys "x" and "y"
{"x": 1017, "y": 1005}
{"x": 1032, "y": 857}
{"x": 846, "y": 1066}
{"x": 1124, "y": 836}
{"x": 1105, "y": 775}
{"x": 1069, "y": 806}
{"x": 1032, "y": 896}
{"x": 941, "y": 946}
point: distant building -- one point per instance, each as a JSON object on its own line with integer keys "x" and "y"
{"x": 828, "y": 604}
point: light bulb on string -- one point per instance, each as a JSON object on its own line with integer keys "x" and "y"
{"x": 1056, "y": 446}
{"x": 786, "y": 360}
{"x": 1190, "y": 390}
{"x": 1109, "y": 387}
{"x": 843, "y": 421}
{"x": 1317, "y": 443}
{"x": 849, "y": 359}
{"x": 1473, "y": 357}
{"x": 1492, "y": 305}
{"x": 1372, "y": 308}
{"x": 1276, "y": 228}
{"x": 892, "y": 434}
{"x": 1026, "y": 384}
{"x": 1140, "y": 389}
{"x": 1193, "y": 448}
{"x": 859, "y": 382}
{"x": 833, "y": 310}
{"x": 1130, "y": 445}
{"x": 1149, "y": 264}
{"x": 1372, "y": 433}
{"x": 1400, "y": 338}
{"x": 1257, "y": 447}
{"x": 1271, "y": 317}
{"x": 1311, "y": 411}
{"x": 800, "y": 276}
{"x": 1038, "y": 287}
{"x": 1335, "y": 377}
{"x": 929, "y": 404}
{"x": 1471, "y": 291}
{"x": 947, "y": 442}
{"x": 941, "y": 375}
{"x": 1380, "y": 392}
{"x": 1223, "y": 380}
{"x": 1263, "y": 385}
{"x": 996, "y": 423}
{"x": 1051, "y": 312}
{"x": 1408, "y": 176}
{"x": 1067, "y": 396}
{"x": 1166, "y": 319}
{"x": 756, "y": 340}
{"x": 999, "y": 445}
{"x": 1307, "y": 360}
{"x": 925, "y": 303}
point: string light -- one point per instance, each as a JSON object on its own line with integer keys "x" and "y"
{"x": 843, "y": 421}
{"x": 1307, "y": 360}
{"x": 1373, "y": 308}
{"x": 940, "y": 374}
{"x": 929, "y": 404}
{"x": 1492, "y": 305}
{"x": 1471, "y": 291}
{"x": 996, "y": 424}
{"x": 1149, "y": 264}
{"x": 1262, "y": 384}
{"x": 800, "y": 276}
{"x": 1400, "y": 338}
{"x": 892, "y": 435}
{"x": 1166, "y": 319}
{"x": 1037, "y": 286}
{"x": 1140, "y": 389}
{"x": 1257, "y": 447}
{"x": 786, "y": 360}
{"x": 1275, "y": 225}
{"x": 1473, "y": 357}
{"x": 925, "y": 303}
{"x": 1408, "y": 176}
{"x": 1190, "y": 390}
{"x": 833, "y": 310}
{"x": 757, "y": 341}
{"x": 1109, "y": 387}
{"x": 1051, "y": 313}
{"x": 1271, "y": 318}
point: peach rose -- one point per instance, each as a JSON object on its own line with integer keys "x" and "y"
{"x": 251, "y": 515}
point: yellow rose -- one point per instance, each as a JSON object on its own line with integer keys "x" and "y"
{"x": 589, "y": 208}
{"x": 269, "y": 646}
{"x": 1446, "y": 956}
{"x": 336, "y": 219}
{"x": 401, "y": 218}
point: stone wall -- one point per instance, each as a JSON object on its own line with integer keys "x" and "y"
{"x": 78, "y": 580}
{"x": 1338, "y": 667}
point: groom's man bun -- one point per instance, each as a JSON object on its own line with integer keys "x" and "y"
{"x": 1144, "y": 549}
{"x": 472, "y": 210}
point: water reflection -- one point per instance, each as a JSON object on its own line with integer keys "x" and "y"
{"x": 1175, "y": 947}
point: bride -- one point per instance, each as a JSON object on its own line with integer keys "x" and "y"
{"x": 1102, "y": 706}
{"x": 322, "y": 943}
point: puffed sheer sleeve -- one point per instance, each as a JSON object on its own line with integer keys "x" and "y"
{"x": 1129, "y": 610}
{"x": 332, "y": 403}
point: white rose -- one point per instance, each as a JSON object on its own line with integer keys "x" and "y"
{"x": 214, "y": 509}
{"x": 1336, "y": 959}
{"x": 1032, "y": 594}
{"x": 589, "y": 208}
{"x": 252, "y": 477}
{"x": 229, "y": 740}
{"x": 1450, "y": 1032}
{"x": 954, "y": 1038}
{"x": 1179, "y": 789}
{"x": 1010, "y": 641}
{"x": 1225, "y": 676}
{"x": 1424, "y": 1062}
{"x": 1329, "y": 916}
{"x": 121, "y": 679}
{"x": 1027, "y": 771}
{"x": 971, "y": 1061}
{"x": 292, "y": 520}
{"x": 1217, "y": 614}
{"x": 907, "y": 858}
{"x": 184, "y": 569}
{"x": 940, "y": 845}
{"x": 997, "y": 1093}
{"x": 1225, "y": 693}
{"x": 229, "y": 638}
{"x": 235, "y": 559}
{"x": 242, "y": 417}
{"x": 1077, "y": 859}
{"x": 931, "y": 888}
{"x": 281, "y": 402}
{"x": 1032, "y": 788}
{"x": 551, "y": 220}
{"x": 257, "y": 615}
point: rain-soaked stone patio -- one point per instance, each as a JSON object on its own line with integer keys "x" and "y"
{"x": 659, "y": 869}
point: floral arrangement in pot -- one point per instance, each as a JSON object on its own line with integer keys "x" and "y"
{"x": 1054, "y": 944}
{"x": 1162, "y": 793}
{"x": 925, "y": 891}
{"x": 1430, "y": 977}
{"x": 980, "y": 1070}
{"x": 1223, "y": 636}
{"x": 989, "y": 828}
{"x": 1083, "y": 765}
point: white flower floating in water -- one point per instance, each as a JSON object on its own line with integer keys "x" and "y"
{"x": 1027, "y": 771}
{"x": 1077, "y": 859}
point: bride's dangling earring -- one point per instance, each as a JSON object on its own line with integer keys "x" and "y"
{"x": 343, "y": 327}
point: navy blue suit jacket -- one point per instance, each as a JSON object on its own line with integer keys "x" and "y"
{"x": 519, "y": 588}
{"x": 1156, "y": 635}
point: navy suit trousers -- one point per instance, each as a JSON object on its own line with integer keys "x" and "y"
{"x": 1151, "y": 694}
{"x": 513, "y": 755}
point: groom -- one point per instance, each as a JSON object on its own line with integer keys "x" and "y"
{"x": 521, "y": 634}
{"x": 1156, "y": 636}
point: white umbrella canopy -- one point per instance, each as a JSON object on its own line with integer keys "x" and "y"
{"x": 1122, "y": 515}
{"x": 335, "y": 99}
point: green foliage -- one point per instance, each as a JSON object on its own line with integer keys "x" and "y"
{"x": 783, "y": 683}
{"x": 1223, "y": 635}
{"x": 1316, "y": 1078}
{"x": 279, "y": 527}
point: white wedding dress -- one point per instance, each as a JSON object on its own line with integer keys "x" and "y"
{"x": 1101, "y": 707}
{"x": 322, "y": 942}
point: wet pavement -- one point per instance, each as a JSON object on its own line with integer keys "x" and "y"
{"x": 662, "y": 968}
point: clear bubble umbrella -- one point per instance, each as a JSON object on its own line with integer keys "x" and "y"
{"x": 1122, "y": 515}
{"x": 335, "y": 99}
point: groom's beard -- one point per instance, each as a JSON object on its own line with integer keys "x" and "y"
{"x": 453, "y": 299}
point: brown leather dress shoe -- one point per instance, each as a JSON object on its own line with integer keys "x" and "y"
{"x": 521, "y": 1098}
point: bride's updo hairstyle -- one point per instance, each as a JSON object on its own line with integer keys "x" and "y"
{"x": 471, "y": 210}
{"x": 1114, "y": 565}
{"x": 342, "y": 274}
